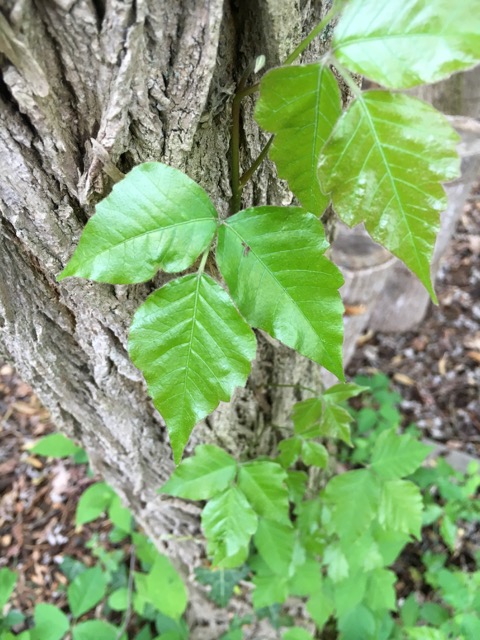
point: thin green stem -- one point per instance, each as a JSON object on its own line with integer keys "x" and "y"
{"x": 346, "y": 76}
{"x": 203, "y": 261}
{"x": 260, "y": 158}
{"x": 313, "y": 34}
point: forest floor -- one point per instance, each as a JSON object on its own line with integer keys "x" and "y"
{"x": 436, "y": 369}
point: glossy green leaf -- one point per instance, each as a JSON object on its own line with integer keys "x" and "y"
{"x": 401, "y": 507}
{"x": 203, "y": 475}
{"x": 272, "y": 260}
{"x": 163, "y": 588}
{"x": 275, "y": 543}
{"x": 342, "y": 392}
{"x": 229, "y": 522}
{"x": 263, "y": 484}
{"x": 396, "y": 456}
{"x": 155, "y": 218}
{"x": 300, "y": 105}
{"x": 95, "y": 630}
{"x": 8, "y": 580}
{"x": 193, "y": 348}
{"x": 384, "y": 165}
{"x": 222, "y": 582}
{"x": 50, "y": 622}
{"x": 86, "y": 591}
{"x": 403, "y": 43}
{"x": 55, "y": 445}
{"x": 316, "y": 417}
{"x": 354, "y": 497}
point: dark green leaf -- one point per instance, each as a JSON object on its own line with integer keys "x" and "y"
{"x": 222, "y": 581}
{"x": 86, "y": 591}
{"x": 263, "y": 484}
{"x": 384, "y": 165}
{"x": 50, "y": 622}
{"x": 229, "y": 522}
{"x": 272, "y": 260}
{"x": 300, "y": 105}
{"x": 408, "y": 42}
{"x": 155, "y": 218}
{"x": 201, "y": 476}
{"x": 193, "y": 348}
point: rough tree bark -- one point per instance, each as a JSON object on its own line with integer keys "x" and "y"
{"x": 146, "y": 80}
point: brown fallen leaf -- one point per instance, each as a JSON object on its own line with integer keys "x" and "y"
{"x": 442, "y": 366}
{"x": 474, "y": 355}
{"x": 34, "y": 462}
{"x": 364, "y": 338}
{"x": 355, "y": 309}
{"x": 25, "y": 408}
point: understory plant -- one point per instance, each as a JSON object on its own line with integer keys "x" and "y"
{"x": 380, "y": 161}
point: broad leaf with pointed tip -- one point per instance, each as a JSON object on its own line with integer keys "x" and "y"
{"x": 272, "y": 259}
{"x": 384, "y": 165}
{"x": 193, "y": 348}
{"x": 300, "y": 105}
{"x": 404, "y": 43}
{"x": 155, "y": 218}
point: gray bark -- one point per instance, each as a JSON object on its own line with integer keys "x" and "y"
{"x": 146, "y": 80}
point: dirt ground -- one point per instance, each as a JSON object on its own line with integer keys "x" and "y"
{"x": 436, "y": 369}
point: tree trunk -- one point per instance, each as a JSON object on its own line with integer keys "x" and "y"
{"x": 146, "y": 80}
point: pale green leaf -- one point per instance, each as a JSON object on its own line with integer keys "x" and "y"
{"x": 380, "y": 593}
{"x": 336, "y": 562}
{"x": 272, "y": 260}
{"x": 300, "y": 105}
{"x": 314, "y": 454}
{"x": 306, "y": 579}
{"x": 449, "y": 532}
{"x": 86, "y": 591}
{"x": 155, "y": 218}
{"x": 349, "y": 593}
{"x": 118, "y": 600}
{"x": 50, "y": 622}
{"x": 341, "y": 392}
{"x": 403, "y": 43}
{"x": 55, "y": 445}
{"x": 120, "y": 516}
{"x": 426, "y": 633}
{"x": 396, "y": 456}
{"x": 163, "y": 588}
{"x": 228, "y": 522}
{"x": 275, "y": 543}
{"x": 93, "y": 502}
{"x": 8, "y": 580}
{"x": 320, "y": 607}
{"x": 264, "y": 485}
{"x": 193, "y": 348}
{"x": 95, "y": 630}
{"x": 384, "y": 165}
{"x": 270, "y": 589}
{"x": 201, "y": 476}
{"x": 354, "y": 498}
{"x": 401, "y": 507}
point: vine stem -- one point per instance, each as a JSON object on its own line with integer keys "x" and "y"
{"x": 313, "y": 34}
{"x": 128, "y": 612}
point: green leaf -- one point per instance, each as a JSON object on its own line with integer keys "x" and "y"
{"x": 342, "y": 392}
{"x": 120, "y": 516}
{"x": 357, "y": 623}
{"x": 270, "y": 589}
{"x": 384, "y": 164}
{"x": 397, "y": 456}
{"x": 273, "y": 263}
{"x": 297, "y": 485}
{"x": 118, "y": 600}
{"x": 381, "y": 590}
{"x": 55, "y": 445}
{"x": 354, "y": 497}
{"x": 316, "y": 417}
{"x": 263, "y": 484}
{"x": 155, "y": 218}
{"x": 94, "y": 630}
{"x": 50, "y": 623}
{"x": 448, "y": 531}
{"x": 300, "y": 105}
{"x": 297, "y": 633}
{"x": 229, "y": 522}
{"x": 8, "y": 580}
{"x": 93, "y": 502}
{"x": 222, "y": 581}
{"x": 314, "y": 454}
{"x": 321, "y": 607}
{"x": 290, "y": 449}
{"x": 306, "y": 579}
{"x": 275, "y": 543}
{"x": 193, "y": 348}
{"x": 86, "y": 591}
{"x": 401, "y": 507}
{"x": 349, "y": 593}
{"x": 203, "y": 475}
{"x": 336, "y": 562}
{"x": 163, "y": 588}
{"x": 407, "y": 42}
{"x": 169, "y": 628}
